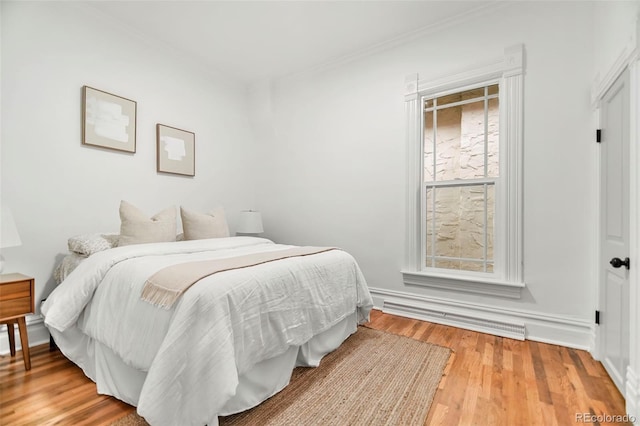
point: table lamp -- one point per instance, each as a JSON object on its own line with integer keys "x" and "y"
{"x": 250, "y": 223}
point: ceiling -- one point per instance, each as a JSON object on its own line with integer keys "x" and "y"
{"x": 258, "y": 40}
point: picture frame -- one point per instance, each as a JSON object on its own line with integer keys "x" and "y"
{"x": 176, "y": 150}
{"x": 108, "y": 120}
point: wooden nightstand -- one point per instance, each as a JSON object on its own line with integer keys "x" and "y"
{"x": 16, "y": 301}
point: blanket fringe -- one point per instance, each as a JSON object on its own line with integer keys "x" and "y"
{"x": 161, "y": 297}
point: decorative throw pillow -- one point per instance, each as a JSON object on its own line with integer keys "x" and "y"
{"x": 137, "y": 228}
{"x": 198, "y": 226}
{"x": 68, "y": 264}
{"x": 88, "y": 244}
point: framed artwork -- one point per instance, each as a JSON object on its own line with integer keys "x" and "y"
{"x": 108, "y": 121}
{"x": 176, "y": 150}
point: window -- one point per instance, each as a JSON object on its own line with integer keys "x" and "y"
{"x": 465, "y": 180}
{"x": 460, "y": 143}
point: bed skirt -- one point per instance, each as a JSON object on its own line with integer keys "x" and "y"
{"x": 116, "y": 378}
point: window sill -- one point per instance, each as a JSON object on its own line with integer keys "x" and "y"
{"x": 464, "y": 284}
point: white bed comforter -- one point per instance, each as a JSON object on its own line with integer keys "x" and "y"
{"x": 226, "y": 323}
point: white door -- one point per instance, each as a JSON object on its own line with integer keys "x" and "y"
{"x": 614, "y": 196}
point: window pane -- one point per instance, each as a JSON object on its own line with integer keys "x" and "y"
{"x": 448, "y": 264}
{"x": 447, "y": 222}
{"x": 429, "y": 224}
{"x": 491, "y": 209}
{"x": 493, "y": 137}
{"x": 461, "y": 230}
{"x": 428, "y": 146}
{"x": 463, "y": 265}
{"x": 471, "y": 222}
{"x": 461, "y": 96}
{"x": 472, "y": 266}
{"x": 460, "y": 142}
{"x": 493, "y": 89}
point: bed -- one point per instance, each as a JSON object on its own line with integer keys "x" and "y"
{"x": 226, "y": 344}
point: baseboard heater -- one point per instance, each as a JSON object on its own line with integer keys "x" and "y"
{"x": 512, "y": 330}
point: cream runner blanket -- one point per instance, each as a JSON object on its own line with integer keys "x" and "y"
{"x": 165, "y": 286}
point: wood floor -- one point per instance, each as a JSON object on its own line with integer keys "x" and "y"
{"x": 492, "y": 380}
{"x": 489, "y": 381}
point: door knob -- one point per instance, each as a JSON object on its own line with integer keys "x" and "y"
{"x": 616, "y": 262}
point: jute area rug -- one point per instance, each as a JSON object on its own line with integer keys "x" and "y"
{"x": 374, "y": 378}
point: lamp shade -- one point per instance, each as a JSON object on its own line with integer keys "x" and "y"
{"x": 9, "y": 236}
{"x": 250, "y": 222}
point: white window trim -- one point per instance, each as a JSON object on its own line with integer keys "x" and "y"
{"x": 509, "y": 71}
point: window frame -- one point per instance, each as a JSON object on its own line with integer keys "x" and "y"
{"x": 507, "y": 280}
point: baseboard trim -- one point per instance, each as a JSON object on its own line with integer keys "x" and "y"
{"x": 511, "y": 323}
{"x": 38, "y": 334}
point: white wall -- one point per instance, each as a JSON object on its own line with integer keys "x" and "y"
{"x": 56, "y": 187}
{"x": 333, "y": 169}
{"x": 615, "y": 31}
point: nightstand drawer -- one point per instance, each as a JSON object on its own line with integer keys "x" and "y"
{"x": 16, "y": 296}
{"x": 15, "y": 290}
{"x": 16, "y": 301}
{"x": 15, "y": 307}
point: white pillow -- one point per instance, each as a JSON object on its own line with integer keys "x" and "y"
{"x": 137, "y": 228}
{"x": 198, "y": 226}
